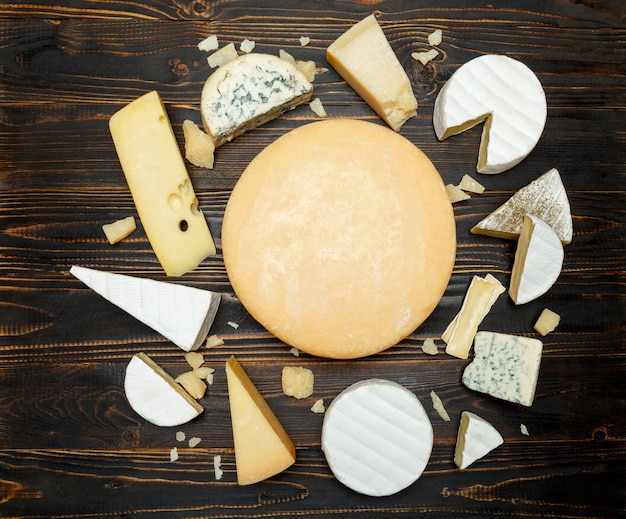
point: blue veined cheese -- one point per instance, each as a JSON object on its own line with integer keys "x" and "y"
{"x": 249, "y": 91}
{"x": 505, "y": 367}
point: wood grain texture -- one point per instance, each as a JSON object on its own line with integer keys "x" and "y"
{"x": 71, "y": 446}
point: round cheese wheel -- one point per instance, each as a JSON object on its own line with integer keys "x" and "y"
{"x": 377, "y": 437}
{"x": 339, "y": 238}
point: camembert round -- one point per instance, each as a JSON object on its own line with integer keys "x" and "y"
{"x": 339, "y": 238}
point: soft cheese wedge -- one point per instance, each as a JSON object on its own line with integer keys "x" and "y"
{"x": 155, "y": 396}
{"x": 262, "y": 447}
{"x": 507, "y": 96}
{"x": 476, "y": 438}
{"x": 249, "y": 91}
{"x": 364, "y": 58}
{"x": 505, "y": 367}
{"x": 180, "y": 313}
{"x": 158, "y": 180}
{"x": 538, "y": 261}
{"x": 544, "y": 197}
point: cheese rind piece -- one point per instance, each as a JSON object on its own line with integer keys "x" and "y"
{"x": 262, "y": 447}
{"x": 339, "y": 238}
{"x": 363, "y": 57}
{"x": 544, "y": 197}
{"x": 376, "y": 437}
{"x": 181, "y": 313}
{"x": 476, "y": 438}
{"x": 547, "y": 322}
{"x": 504, "y": 366}
{"x": 538, "y": 261}
{"x": 118, "y": 230}
{"x": 155, "y": 396}
{"x": 249, "y": 91}
{"x": 505, "y": 94}
{"x": 158, "y": 180}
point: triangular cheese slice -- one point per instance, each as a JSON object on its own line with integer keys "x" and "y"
{"x": 544, "y": 197}
{"x": 262, "y": 447}
{"x": 476, "y": 438}
{"x": 181, "y": 313}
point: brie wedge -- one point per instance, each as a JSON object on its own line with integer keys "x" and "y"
{"x": 507, "y": 96}
{"x": 180, "y": 313}
{"x": 476, "y": 438}
{"x": 538, "y": 261}
{"x": 155, "y": 396}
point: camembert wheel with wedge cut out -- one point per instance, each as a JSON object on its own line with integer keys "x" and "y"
{"x": 339, "y": 238}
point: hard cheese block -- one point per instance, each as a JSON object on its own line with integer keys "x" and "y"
{"x": 160, "y": 185}
{"x": 262, "y": 447}
{"x": 505, "y": 367}
{"x": 507, "y": 96}
{"x": 476, "y": 438}
{"x": 339, "y": 238}
{"x": 544, "y": 197}
{"x": 180, "y": 313}
{"x": 377, "y": 437}
{"x": 364, "y": 58}
{"x": 249, "y": 91}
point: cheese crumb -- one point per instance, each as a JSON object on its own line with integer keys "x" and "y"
{"x": 217, "y": 462}
{"x": 469, "y": 184}
{"x": 173, "y": 454}
{"x": 209, "y": 44}
{"x": 429, "y": 347}
{"x": 119, "y": 229}
{"x": 203, "y": 372}
{"x": 213, "y": 341}
{"x": 194, "y": 441}
{"x": 317, "y": 107}
{"x": 524, "y": 430}
{"x": 199, "y": 147}
{"x": 233, "y": 325}
{"x": 180, "y": 436}
{"x": 295, "y": 352}
{"x": 435, "y": 37}
{"x": 282, "y": 54}
{"x": 308, "y": 68}
{"x": 425, "y": 57}
{"x": 192, "y": 384}
{"x": 455, "y": 194}
{"x": 247, "y": 46}
{"x": 304, "y": 41}
{"x": 297, "y": 382}
{"x": 209, "y": 379}
{"x": 547, "y": 322}
{"x": 194, "y": 359}
{"x": 438, "y": 406}
{"x": 222, "y": 56}
{"x": 318, "y": 407}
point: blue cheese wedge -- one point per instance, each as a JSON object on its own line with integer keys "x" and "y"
{"x": 476, "y": 438}
{"x": 505, "y": 367}
{"x": 249, "y": 91}
{"x": 181, "y": 313}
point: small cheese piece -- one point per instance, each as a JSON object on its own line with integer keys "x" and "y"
{"x": 304, "y": 41}
{"x": 308, "y": 68}
{"x": 318, "y": 407}
{"x": 297, "y": 382}
{"x": 155, "y": 396}
{"x": 547, "y": 322}
{"x": 173, "y": 455}
{"x": 120, "y": 229}
{"x": 425, "y": 57}
{"x": 180, "y": 436}
{"x": 507, "y": 96}
{"x": 472, "y": 185}
{"x": 317, "y": 106}
{"x": 544, "y": 197}
{"x": 262, "y": 447}
{"x": 456, "y": 194}
{"x": 224, "y": 55}
{"x": 439, "y": 407}
{"x": 192, "y": 384}
{"x": 377, "y": 437}
{"x": 480, "y": 297}
{"x": 194, "y": 442}
{"x": 209, "y": 43}
{"x": 505, "y": 367}
{"x": 435, "y": 37}
{"x": 247, "y": 46}
{"x": 283, "y": 54}
{"x": 217, "y": 467}
{"x": 249, "y": 91}
{"x": 213, "y": 341}
{"x": 429, "y": 347}
{"x": 160, "y": 185}
{"x": 538, "y": 261}
{"x": 339, "y": 238}
{"x": 524, "y": 430}
{"x": 194, "y": 359}
{"x": 181, "y": 313}
{"x": 199, "y": 147}
{"x": 476, "y": 438}
{"x": 364, "y": 58}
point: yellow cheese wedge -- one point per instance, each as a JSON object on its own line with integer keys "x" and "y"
{"x": 339, "y": 238}
{"x": 160, "y": 185}
{"x": 364, "y": 58}
{"x": 262, "y": 447}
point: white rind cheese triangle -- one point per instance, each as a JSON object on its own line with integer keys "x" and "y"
{"x": 180, "y": 313}
{"x": 476, "y": 438}
{"x": 155, "y": 396}
{"x": 544, "y": 197}
{"x": 505, "y": 94}
{"x": 538, "y": 261}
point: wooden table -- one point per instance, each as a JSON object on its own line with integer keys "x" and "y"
{"x": 70, "y": 445}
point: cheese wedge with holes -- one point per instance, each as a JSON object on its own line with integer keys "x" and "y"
{"x": 158, "y": 180}
{"x": 339, "y": 238}
{"x": 544, "y": 197}
{"x": 504, "y": 94}
{"x": 262, "y": 447}
{"x": 249, "y": 91}
{"x": 376, "y": 437}
{"x": 180, "y": 313}
{"x": 364, "y": 58}
{"x": 538, "y": 261}
{"x": 475, "y": 439}
{"x": 155, "y": 396}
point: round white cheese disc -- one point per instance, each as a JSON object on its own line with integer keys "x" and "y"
{"x": 339, "y": 238}
{"x": 376, "y": 437}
